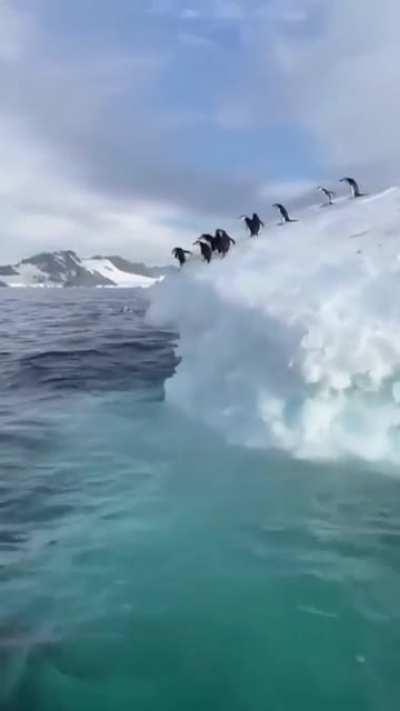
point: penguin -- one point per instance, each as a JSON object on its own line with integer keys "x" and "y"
{"x": 354, "y": 187}
{"x": 254, "y": 224}
{"x": 211, "y": 241}
{"x": 284, "y": 213}
{"x": 218, "y": 244}
{"x": 224, "y": 242}
{"x": 205, "y": 249}
{"x": 328, "y": 194}
{"x": 180, "y": 254}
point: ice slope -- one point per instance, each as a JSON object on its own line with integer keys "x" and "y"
{"x": 293, "y": 341}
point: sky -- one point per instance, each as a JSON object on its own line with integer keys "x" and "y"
{"x": 131, "y": 126}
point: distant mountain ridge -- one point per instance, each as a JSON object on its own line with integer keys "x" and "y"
{"x": 65, "y": 269}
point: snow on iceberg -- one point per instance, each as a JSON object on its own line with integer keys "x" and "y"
{"x": 293, "y": 341}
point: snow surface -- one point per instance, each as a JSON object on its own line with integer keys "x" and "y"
{"x": 293, "y": 341}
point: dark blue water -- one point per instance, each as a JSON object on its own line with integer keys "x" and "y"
{"x": 146, "y": 564}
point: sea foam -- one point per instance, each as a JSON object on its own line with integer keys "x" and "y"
{"x": 293, "y": 340}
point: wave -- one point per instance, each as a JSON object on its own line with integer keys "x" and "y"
{"x": 292, "y": 342}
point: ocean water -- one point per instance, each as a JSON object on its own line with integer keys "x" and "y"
{"x": 146, "y": 563}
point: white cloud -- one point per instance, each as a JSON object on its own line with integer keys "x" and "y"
{"x": 73, "y": 155}
{"x": 44, "y": 208}
{"x": 46, "y": 202}
{"x": 343, "y": 84}
{"x": 330, "y": 68}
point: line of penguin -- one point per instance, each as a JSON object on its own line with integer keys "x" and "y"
{"x": 220, "y": 243}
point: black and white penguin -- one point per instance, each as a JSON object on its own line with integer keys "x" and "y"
{"x": 284, "y": 213}
{"x": 254, "y": 224}
{"x": 355, "y": 190}
{"x": 223, "y": 242}
{"x": 329, "y": 194}
{"x": 205, "y": 249}
{"x": 211, "y": 241}
{"x": 180, "y": 254}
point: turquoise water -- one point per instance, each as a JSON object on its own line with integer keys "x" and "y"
{"x": 146, "y": 564}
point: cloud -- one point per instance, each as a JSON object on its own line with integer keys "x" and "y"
{"x": 45, "y": 202}
{"x": 329, "y": 69}
{"x": 139, "y": 126}
{"x": 86, "y": 167}
{"x": 343, "y": 84}
{"x": 43, "y": 208}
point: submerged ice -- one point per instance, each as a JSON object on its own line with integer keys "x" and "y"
{"x": 292, "y": 342}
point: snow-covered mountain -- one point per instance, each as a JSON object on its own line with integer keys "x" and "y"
{"x": 66, "y": 269}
